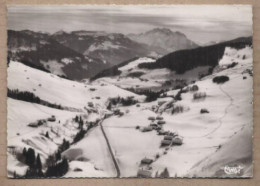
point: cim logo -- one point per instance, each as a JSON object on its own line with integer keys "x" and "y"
{"x": 233, "y": 169}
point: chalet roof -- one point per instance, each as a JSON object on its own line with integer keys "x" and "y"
{"x": 146, "y": 161}
{"x": 166, "y": 142}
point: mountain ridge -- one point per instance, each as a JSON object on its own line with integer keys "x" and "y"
{"x": 164, "y": 38}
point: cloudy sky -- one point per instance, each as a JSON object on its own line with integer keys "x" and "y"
{"x": 201, "y": 24}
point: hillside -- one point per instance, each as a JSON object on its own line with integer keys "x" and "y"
{"x": 40, "y": 50}
{"x": 111, "y": 48}
{"x": 184, "y": 60}
{"x": 173, "y": 70}
{"x": 209, "y": 137}
{"x": 88, "y": 101}
{"x": 116, "y": 129}
{"x": 129, "y": 75}
{"x": 164, "y": 38}
{"x": 240, "y": 155}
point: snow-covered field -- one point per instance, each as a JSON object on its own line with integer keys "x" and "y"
{"x": 230, "y": 113}
{"x": 211, "y": 140}
{"x": 57, "y": 90}
{"x": 20, "y": 135}
{"x": 148, "y": 78}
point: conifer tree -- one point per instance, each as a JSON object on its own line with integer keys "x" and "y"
{"x": 38, "y": 162}
{"x": 30, "y": 157}
{"x": 165, "y": 173}
{"x": 47, "y": 135}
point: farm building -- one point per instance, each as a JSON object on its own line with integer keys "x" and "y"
{"x": 151, "y": 118}
{"x": 90, "y": 104}
{"x": 37, "y": 123}
{"x": 146, "y": 161}
{"x": 161, "y": 122}
{"x": 162, "y": 132}
{"x": 41, "y": 122}
{"x": 158, "y": 128}
{"x": 153, "y": 125}
{"x": 52, "y": 118}
{"x": 159, "y": 118}
{"x": 202, "y": 111}
{"x": 33, "y": 124}
{"x": 177, "y": 141}
{"x": 147, "y": 129}
{"x": 117, "y": 111}
{"x": 144, "y": 173}
{"x": 199, "y": 95}
{"x": 168, "y": 137}
{"x": 166, "y": 142}
{"x": 173, "y": 134}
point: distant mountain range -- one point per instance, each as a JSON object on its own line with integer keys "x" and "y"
{"x": 84, "y": 54}
{"x": 41, "y": 50}
{"x": 111, "y": 48}
{"x": 165, "y": 39}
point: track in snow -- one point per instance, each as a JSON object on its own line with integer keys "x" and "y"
{"x": 221, "y": 118}
{"x": 225, "y": 113}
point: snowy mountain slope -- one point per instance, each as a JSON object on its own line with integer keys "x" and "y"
{"x": 230, "y": 114}
{"x": 20, "y": 135}
{"x": 131, "y": 76}
{"x": 241, "y": 155}
{"x": 164, "y": 38}
{"x": 44, "y": 52}
{"x": 94, "y": 150}
{"x": 53, "y": 89}
{"x": 229, "y": 118}
{"x": 184, "y": 60}
{"x": 174, "y": 69}
{"x": 57, "y": 90}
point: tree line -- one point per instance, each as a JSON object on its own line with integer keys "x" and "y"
{"x": 30, "y": 97}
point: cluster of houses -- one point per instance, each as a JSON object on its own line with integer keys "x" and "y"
{"x": 170, "y": 138}
{"x": 156, "y": 124}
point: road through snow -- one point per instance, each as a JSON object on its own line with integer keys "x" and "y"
{"x": 110, "y": 150}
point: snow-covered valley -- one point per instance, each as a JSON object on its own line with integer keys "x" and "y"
{"x": 124, "y": 134}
